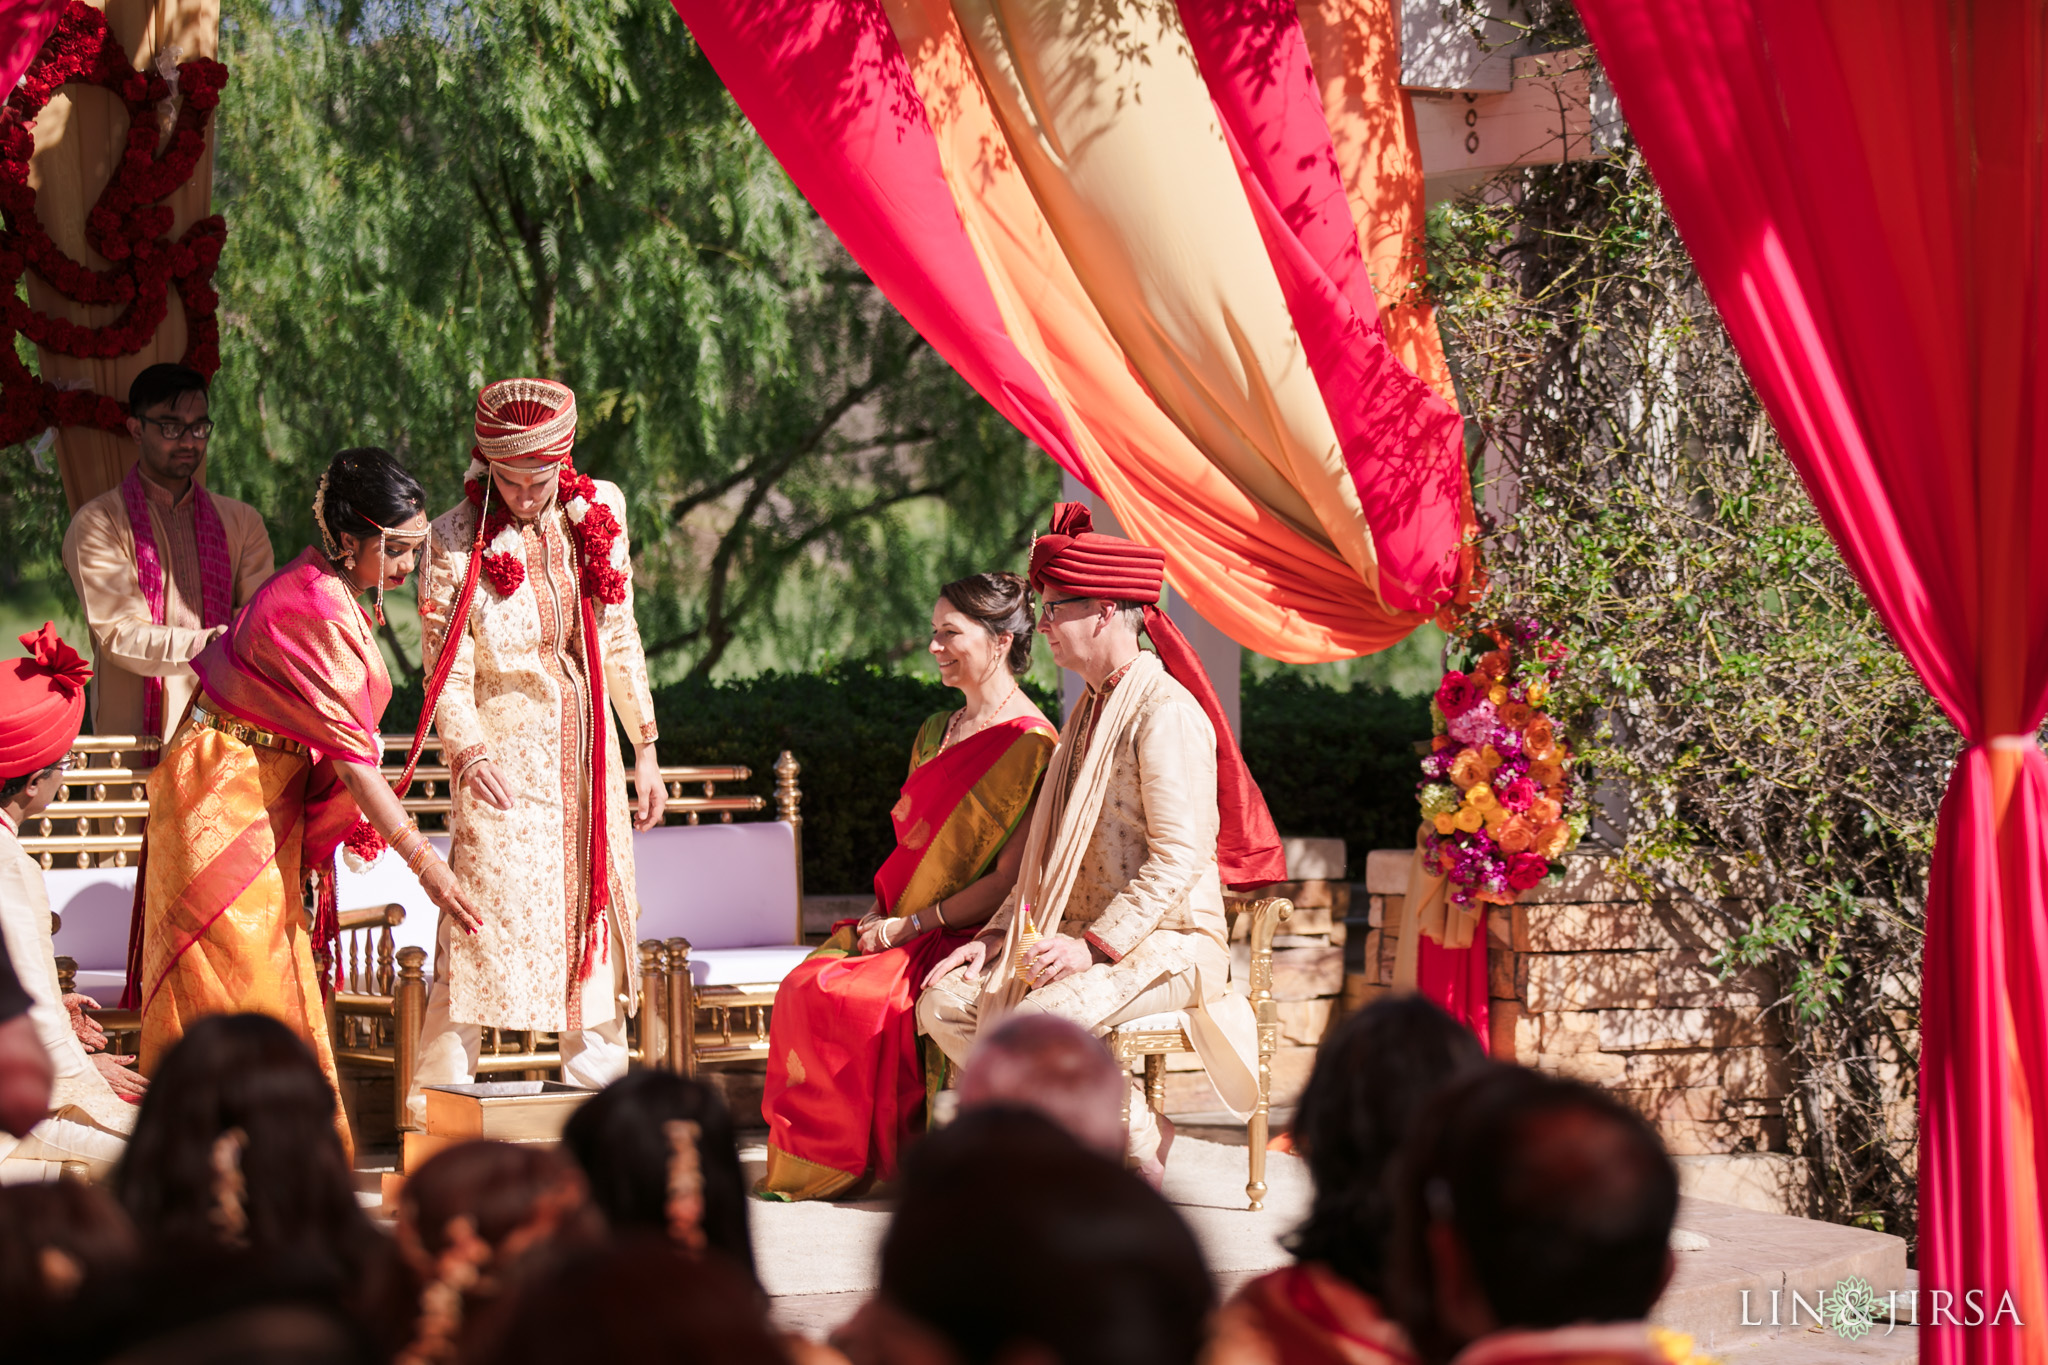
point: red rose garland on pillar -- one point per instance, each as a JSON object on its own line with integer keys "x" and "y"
{"x": 127, "y": 226}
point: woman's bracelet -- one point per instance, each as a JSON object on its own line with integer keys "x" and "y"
{"x": 417, "y": 861}
{"x": 398, "y": 831}
{"x": 939, "y": 912}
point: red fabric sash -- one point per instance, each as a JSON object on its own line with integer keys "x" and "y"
{"x": 215, "y": 590}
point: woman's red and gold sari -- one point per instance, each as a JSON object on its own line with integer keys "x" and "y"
{"x": 235, "y": 826}
{"x": 845, "y": 1081}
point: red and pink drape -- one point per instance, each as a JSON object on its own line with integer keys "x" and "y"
{"x": 1178, "y": 246}
{"x": 1862, "y": 189}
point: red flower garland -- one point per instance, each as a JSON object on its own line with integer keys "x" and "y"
{"x": 595, "y": 530}
{"x": 128, "y": 226}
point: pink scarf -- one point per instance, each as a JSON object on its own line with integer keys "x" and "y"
{"x": 215, "y": 597}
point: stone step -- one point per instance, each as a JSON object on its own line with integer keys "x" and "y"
{"x": 1810, "y": 1346}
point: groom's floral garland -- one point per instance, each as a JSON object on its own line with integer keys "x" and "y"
{"x": 128, "y": 225}
{"x": 591, "y": 522}
{"x": 1501, "y": 791}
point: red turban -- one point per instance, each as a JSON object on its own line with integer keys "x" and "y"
{"x": 525, "y": 419}
{"x": 1075, "y": 559}
{"x": 42, "y": 700}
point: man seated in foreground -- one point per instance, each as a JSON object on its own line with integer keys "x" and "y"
{"x": 1145, "y": 813}
{"x": 1533, "y": 1223}
{"x": 1052, "y": 1065}
{"x": 92, "y": 1100}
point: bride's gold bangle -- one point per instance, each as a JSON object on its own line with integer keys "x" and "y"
{"x": 939, "y": 913}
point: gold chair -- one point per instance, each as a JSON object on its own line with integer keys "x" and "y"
{"x": 1156, "y": 1037}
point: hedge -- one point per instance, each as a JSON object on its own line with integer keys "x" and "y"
{"x": 1330, "y": 762}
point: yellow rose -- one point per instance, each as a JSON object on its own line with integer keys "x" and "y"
{"x": 1467, "y": 819}
{"x": 1444, "y": 825}
{"x": 1497, "y": 820}
{"x": 1539, "y": 691}
{"x": 1497, "y": 694}
{"x": 1480, "y": 797}
{"x": 1489, "y": 759}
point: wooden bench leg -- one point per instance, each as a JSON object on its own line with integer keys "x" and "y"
{"x": 682, "y": 1010}
{"x": 408, "y": 1018}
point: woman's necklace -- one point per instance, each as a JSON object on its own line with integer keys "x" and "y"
{"x": 951, "y": 739}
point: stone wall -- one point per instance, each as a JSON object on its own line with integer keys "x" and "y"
{"x": 1588, "y": 979}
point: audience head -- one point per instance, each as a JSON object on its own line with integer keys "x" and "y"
{"x": 658, "y": 1153}
{"x": 61, "y": 1246}
{"x": 169, "y": 399}
{"x": 1372, "y": 1076}
{"x": 477, "y": 1219}
{"x": 1053, "y": 1065}
{"x": 981, "y": 629}
{"x": 236, "y": 1147}
{"x": 1528, "y": 1202}
{"x": 639, "y": 1298}
{"x": 1012, "y": 1241}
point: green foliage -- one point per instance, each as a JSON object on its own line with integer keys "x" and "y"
{"x": 1735, "y": 698}
{"x": 423, "y": 195}
{"x": 1336, "y": 763}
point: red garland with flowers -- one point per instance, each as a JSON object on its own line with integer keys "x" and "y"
{"x": 595, "y": 532}
{"x": 128, "y": 226}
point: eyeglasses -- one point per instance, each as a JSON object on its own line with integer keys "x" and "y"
{"x": 172, "y": 429}
{"x": 1045, "y": 610}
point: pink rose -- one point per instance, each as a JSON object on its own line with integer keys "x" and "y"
{"x": 1458, "y": 694}
{"x": 1525, "y": 870}
{"x": 1517, "y": 794}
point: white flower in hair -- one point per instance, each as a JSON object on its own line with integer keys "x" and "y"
{"x": 506, "y": 542}
{"x": 577, "y": 508}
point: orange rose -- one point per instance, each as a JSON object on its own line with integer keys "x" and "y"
{"x": 1544, "y": 771}
{"x": 1493, "y": 663}
{"x": 1542, "y": 811}
{"x": 1515, "y": 715}
{"x": 1515, "y": 836}
{"x": 1540, "y": 734}
{"x": 1551, "y": 839}
{"x": 1489, "y": 758}
{"x": 1444, "y": 825}
{"x": 1440, "y": 743}
{"x": 1467, "y": 769}
{"x": 1497, "y": 819}
{"x": 1497, "y": 694}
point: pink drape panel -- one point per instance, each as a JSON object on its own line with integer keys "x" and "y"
{"x": 1861, "y": 188}
{"x": 1403, "y": 444}
{"x": 24, "y": 25}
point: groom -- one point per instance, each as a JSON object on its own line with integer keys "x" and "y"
{"x": 1146, "y": 812}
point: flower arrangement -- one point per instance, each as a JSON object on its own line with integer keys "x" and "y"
{"x": 592, "y": 526}
{"x": 1501, "y": 795}
{"x": 128, "y": 226}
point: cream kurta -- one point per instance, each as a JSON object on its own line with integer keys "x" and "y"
{"x": 127, "y": 647}
{"x": 518, "y": 695}
{"x": 80, "y": 1095}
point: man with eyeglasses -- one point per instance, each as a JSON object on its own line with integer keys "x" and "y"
{"x": 160, "y": 563}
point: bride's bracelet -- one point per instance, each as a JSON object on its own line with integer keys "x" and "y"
{"x": 416, "y": 862}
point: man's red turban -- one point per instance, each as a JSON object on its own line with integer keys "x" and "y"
{"x": 42, "y": 700}
{"x": 525, "y": 419}
{"x": 1073, "y": 559}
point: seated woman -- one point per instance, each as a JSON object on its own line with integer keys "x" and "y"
{"x": 274, "y": 765}
{"x": 846, "y": 1082}
{"x": 1370, "y": 1082}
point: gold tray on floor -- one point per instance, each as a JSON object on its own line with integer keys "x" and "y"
{"x": 513, "y": 1111}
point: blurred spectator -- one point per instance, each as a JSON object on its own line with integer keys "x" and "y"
{"x": 1014, "y": 1242}
{"x": 1052, "y": 1065}
{"x": 1533, "y": 1222}
{"x": 642, "y": 1298}
{"x": 476, "y": 1223}
{"x": 65, "y": 1247}
{"x": 658, "y": 1153}
{"x": 238, "y": 1188}
{"x": 1372, "y": 1077}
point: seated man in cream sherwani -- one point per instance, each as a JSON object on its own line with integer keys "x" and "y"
{"x": 1145, "y": 813}
{"x": 92, "y": 1099}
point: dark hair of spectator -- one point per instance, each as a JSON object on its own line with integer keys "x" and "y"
{"x": 368, "y": 490}
{"x": 483, "y": 1219}
{"x": 62, "y": 1247}
{"x": 162, "y": 386}
{"x": 639, "y": 1298}
{"x": 1372, "y": 1076}
{"x": 1128, "y": 1287}
{"x": 1000, "y": 603}
{"x": 620, "y": 1139}
{"x": 1561, "y": 1198}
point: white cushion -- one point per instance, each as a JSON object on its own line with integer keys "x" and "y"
{"x": 390, "y": 882}
{"x": 104, "y": 987}
{"x": 95, "y": 905}
{"x": 745, "y": 966}
{"x": 1155, "y": 1023}
{"x": 719, "y": 886}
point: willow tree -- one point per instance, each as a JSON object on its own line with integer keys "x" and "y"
{"x": 423, "y": 196}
